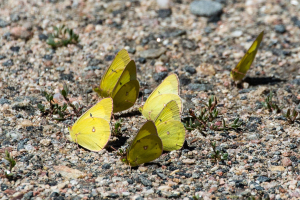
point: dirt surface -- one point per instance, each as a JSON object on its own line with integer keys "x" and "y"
{"x": 163, "y": 37}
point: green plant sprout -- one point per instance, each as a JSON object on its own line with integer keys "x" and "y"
{"x": 207, "y": 119}
{"x": 12, "y": 163}
{"x": 62, "y": 36}
{"x": 270, "y": 105}
{"x": 216, "y": 154}
{"x": 117, "y": 127}
{"x": 57, "y": 109}
{"x": 291, "y": 116}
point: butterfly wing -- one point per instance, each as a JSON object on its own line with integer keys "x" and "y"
{"x": 126, "y": 96}
{"x": 113, "y": 73}
{"x": 103, "y": 109}
{"x": 172, "y": 134}
{"x": 154, "y": 107}
{"x": 127, "y": 89}
{"x": 91, "y": 133}
{"x": 169, "y": 127}
{"x": 239, "y": 72}
{"x": 146, "y": 146}
{"x": 170, "y": 85}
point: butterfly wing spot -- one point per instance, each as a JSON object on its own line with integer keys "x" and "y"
{"x": 113, "y": 70}
{"x": 168, "y": 133}
{"x": 160, "y": 120}
{"x": 126, "y": 93}
{"x": 120, "y": 83}
{"x": 158, "y": 92}
{"x": 93, "y": 130}
{"x": 145, "y": 147}
{"x": 91, "y": 115}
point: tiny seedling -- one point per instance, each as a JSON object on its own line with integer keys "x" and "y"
{"x": 270, "y": 105}
{"x": 207, "y": 119}
{"x": 117, "y": 127}
{"x": 55, "y": 108}
{"x": 62, "y": 36}
{"x": 291, "y": 116}
{"x": 12, "y": 163}
{"x": 216, "y": 154}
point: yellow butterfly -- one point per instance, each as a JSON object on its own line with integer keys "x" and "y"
{"x": 169, "y": 127}
{"x": 167, "y": 91}
{"x": 145, "y": 147}
{"x": 239, "y": 72}
{"x": 92, "y": 129}
{"x": 120, "y": 82}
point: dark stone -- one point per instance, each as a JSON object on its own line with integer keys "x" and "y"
{"x": 296, "y": 81}
{"x": 262, "y": 179}
{"x": 176, "y": 33}
{"x": 3, "y": 23}
{"x": 15, "y": 49}
{"x": 43, "y": 37}
{"x": 259, "y": 188}
{"x": 293, "y": 146}
{"x": 14, "y": 17}
{"x": 184, "y": 80}
{"x": 19, "y": 116}
{"x": 48, "y": 57}
{"x": 164, "y": 13}
{"x": 145, "y": 181}
{"x": 294, "y": 159}
{"x": 280, "y": 28}
{"x": 27, "y": 196}
{"x": 190, "y": 69}
{"x": 240, "y": 183}
{"x": 3, "y": 100}
{"x": 109, "y": 57}
{"x": 129, "y": 181}
{"x": 243, "y": 91}
{"x": 4, "y": 187}
{"x": 142, "y": 60}
{"x": 131, "y": 50}
{"x": 67, "y": 77}
{"x": 160, "y": 76}
{"x": 113, "y": 195}
{"x": 162, "y": 176}
{"x": 53, "y": 183}
{"x": 243, "y": 97}
{"x": 58, "y": 198}
{"x": 2, "y": 57}
{"x": 54, "y": 194}
{"x": 200, "y": 87}
{"x": 106, "y": 166}
{"x": 296, "y": 21}
{"x": 8, "y": 63}
{"x": 147, "y": 91}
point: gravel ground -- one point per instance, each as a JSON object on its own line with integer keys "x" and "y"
{"x": 201, "y": 42}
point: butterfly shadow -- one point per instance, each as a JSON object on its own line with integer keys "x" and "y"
{"x": 128, "y": 114}
{"x": 115, "y": 145}
{"x": 255, "y": 81}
